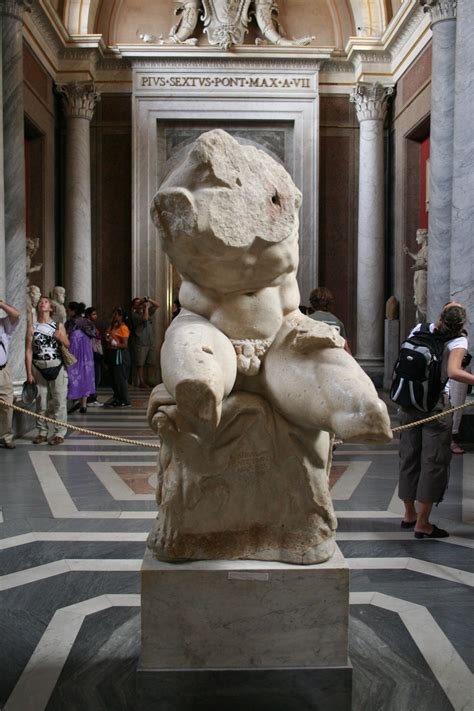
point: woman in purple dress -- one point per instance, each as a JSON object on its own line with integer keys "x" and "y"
{"x": 81, "y": 378}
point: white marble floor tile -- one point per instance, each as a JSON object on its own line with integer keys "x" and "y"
{"x": 37, "y": 682}
{"x": 446, "y": 664}
{"x": 73, "y": 537}
{"x": 114, "y": 484}
{"x": 67, "y": 565}
{"x": 417, "y": 566}
{"x": 349, "y": 481}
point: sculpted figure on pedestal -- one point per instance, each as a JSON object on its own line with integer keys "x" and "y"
{"x": 226, "y": 22}
{"x": 253, "y": 387}
{"x": 420, "y": 278}
{"x": 33, "y": 296}
{"x": 32, "y": 246}
{"x": 58, "y": 297}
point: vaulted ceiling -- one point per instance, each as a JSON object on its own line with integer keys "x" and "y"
{"x": 331, "y": 22}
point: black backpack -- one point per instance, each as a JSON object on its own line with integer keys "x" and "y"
{"x": 417, "y": 381}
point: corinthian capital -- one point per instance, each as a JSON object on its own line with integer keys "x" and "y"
{"x": 371, "y": 101}
{"x": 440, "y": 9}
{"x": 15, "y": 8}
{"x": 79, "y": 99}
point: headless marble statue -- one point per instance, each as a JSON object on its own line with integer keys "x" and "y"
{"x": 420, "y": 278}
{"x": 58, "y": 297}
{"x": 253, "y": 388}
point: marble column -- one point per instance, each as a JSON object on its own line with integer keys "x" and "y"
{"x": 462, "y": 237}
{"x": 79, "y": 100}
{"x": 371, "y": 107}
{"x": 443, "y": 25}
{"x": 14, "y": 172}
{"x": 3, "y": 282}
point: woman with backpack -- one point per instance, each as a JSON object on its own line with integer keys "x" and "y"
{"x": 425, "y": 451}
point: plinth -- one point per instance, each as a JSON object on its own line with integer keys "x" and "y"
{"x": 244, "y": 635}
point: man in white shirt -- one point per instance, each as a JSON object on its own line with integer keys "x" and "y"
{"x": 8, "y": 325}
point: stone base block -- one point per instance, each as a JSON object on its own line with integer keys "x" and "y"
{"x": 246, "y": 690}
{"x": 246, "y": 628}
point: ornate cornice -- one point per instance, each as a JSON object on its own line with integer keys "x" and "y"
{"x": 371, "y": 101}
{"x": 15, "y": 8}
{"x": 231, "y": 63}
{"x": 409, "y": 27}
{"x": 440, "y": 9}
{"x": 333, "y": 65}
{"x": 78, "y": 99}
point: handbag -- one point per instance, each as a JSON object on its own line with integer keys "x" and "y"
{"x": 67, "y": 357}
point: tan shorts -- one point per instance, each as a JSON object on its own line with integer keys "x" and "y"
{"x": 143, "y": 355}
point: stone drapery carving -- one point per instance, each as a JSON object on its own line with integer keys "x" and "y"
{"x": 440, "y": 9}
{"x": 79, "y": 99}
{"x": 245, "y": 456}
{"x": 420, "y": 277}
{"x": 226, "y": 22}
{"x": 371, "y": 101}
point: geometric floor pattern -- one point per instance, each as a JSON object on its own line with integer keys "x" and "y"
{"x": 73, "y": 525}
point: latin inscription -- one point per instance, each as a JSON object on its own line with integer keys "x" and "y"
{"x": 206, "y": 82}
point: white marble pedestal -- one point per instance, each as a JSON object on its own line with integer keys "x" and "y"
{"x": 243, "y": 635}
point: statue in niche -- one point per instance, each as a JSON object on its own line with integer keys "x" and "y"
{"x": 252, "y": 389}
{"x": 33, "y": 295}
{"x": 58, "y": 297}
{"x": 32, "y": 246}
{"x": 226, "y": 22}
{"x": 420, "y": 278}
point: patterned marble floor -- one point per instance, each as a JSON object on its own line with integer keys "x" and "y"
{"x": 73, "y": 525}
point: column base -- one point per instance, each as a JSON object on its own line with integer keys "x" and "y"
{"x": 374, "y": 367}
{"x": 245, "y": 689}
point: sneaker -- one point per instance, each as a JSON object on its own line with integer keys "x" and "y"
{"x": 111, "y": 403}
{"x": 40, "y": 439}
{"x": 124, "y": 404}
{"x": 95, "y": 403}
{"x": 9, "y": 445}
{"x": 56, "y": 440}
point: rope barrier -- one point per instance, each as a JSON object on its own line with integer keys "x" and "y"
{"x": 433, "y": 417}
{"x": 84, "y": 430}
{"x": 150, "y": 445}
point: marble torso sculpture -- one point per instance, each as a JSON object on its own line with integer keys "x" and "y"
{"x": 253, "y": 386}
{"x": 420, "y": 278}
{"x": 226, "y": 22}
{"x": 58, "y": 297}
